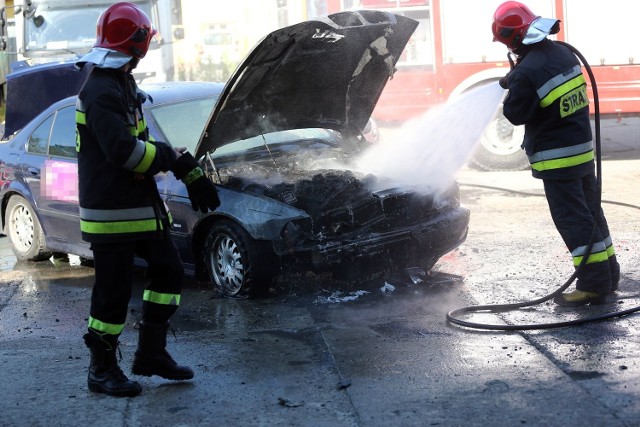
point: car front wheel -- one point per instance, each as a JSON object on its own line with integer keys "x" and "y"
{"x": 24, "y": 231}
{"x": 235, "y": 267}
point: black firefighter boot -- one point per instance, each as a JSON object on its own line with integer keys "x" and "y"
{"x": 105, "y": 376}
{"x": 152, "y": 358}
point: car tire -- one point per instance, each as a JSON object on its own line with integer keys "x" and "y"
{"x": 24, "y": 231}
{"x": 236, "y": 266}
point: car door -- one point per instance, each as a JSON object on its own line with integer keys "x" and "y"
{"x": 51, "y": 172}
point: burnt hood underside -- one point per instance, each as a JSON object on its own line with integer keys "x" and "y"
{"x": 326, "y": 73}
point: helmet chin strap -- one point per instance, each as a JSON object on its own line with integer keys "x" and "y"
{"x": 521, "y": 50}
{"x": 133, "y": 63}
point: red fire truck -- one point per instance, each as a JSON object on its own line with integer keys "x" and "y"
{"x": 452, "y": 51}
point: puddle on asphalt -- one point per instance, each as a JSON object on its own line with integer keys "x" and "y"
{"x": 37, "y": 276}
{"x": 200, "y": 309}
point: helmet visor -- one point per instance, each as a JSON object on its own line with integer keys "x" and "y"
{"x": 539, "y": 29}
{"x": 104, "y": 58}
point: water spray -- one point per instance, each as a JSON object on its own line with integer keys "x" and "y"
{"x": 454, "y": 315}
{"x": 429, "y": 150}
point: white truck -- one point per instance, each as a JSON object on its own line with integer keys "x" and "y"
{"x": 54, "y": 30}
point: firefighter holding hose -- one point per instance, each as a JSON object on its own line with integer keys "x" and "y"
{"x": 547, "y": 93}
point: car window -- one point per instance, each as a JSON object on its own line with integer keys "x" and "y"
{"x": 63, "y": 134}
{"x": 39, "y": 139}
{"x": 182, "y": 123}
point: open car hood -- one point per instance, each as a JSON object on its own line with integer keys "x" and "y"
{"x": 328, "y": 72}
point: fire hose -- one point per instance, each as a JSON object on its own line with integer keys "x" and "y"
{"x": 454, "y": 316}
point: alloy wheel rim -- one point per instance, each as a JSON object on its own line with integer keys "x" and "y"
{"x": 227, "y": 264}
{"x": 22, "y": 228}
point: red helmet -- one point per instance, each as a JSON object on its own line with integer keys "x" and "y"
{"x": 126, "y": 28}
{"x": 511, "y": 21}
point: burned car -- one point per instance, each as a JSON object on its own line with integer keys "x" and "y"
{"x": 278, "y": 140}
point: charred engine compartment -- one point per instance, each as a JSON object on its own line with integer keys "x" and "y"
{"x": 360, "y": 224}
{"x": 341, "y": 202}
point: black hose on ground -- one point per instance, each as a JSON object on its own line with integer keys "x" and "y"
{"x": 453, "y": 316}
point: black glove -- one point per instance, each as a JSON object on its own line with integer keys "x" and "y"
{"x": 504, "y": 82}
{"x": 202, "y": 192}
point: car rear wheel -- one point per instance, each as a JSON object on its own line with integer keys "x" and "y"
{"x": 24, "y": 231}
{"x": 235, "y": 265}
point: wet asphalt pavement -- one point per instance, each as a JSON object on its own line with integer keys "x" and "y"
{"x": 323, "y": 353}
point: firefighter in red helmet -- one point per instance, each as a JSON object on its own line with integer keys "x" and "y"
{"x": 547, "y": 93}
{"x": 121, "y": 212}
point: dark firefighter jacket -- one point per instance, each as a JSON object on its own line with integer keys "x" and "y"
{"x": 548, "y": 94}
{"x": 119, "y": 199}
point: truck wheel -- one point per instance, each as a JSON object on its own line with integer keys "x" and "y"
{"x": 236, "y": 267}
{"x": 499, "y": 147}
{"x": 24, "y": 231}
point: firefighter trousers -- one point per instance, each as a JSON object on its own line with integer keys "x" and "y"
{"x": 114, "y": 273}
{"x": 577, "y": 215}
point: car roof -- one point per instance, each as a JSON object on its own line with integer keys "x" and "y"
{"x": 166, "y": 93}
{"x": 33, "y": 89}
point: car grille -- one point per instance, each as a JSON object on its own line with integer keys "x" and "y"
{"x": 382, "y": 211}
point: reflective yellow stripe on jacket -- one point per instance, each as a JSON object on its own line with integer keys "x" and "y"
{"x": 114, "y": 221}
{"x": 562, "y": 157}
{"x": 570, "y": 89}
{"x": 561, "y": 85}
{"x": 81, "y": 119}
{"x": 143, "y": 153}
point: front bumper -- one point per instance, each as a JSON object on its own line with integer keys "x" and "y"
{"x": 424, "y": 242}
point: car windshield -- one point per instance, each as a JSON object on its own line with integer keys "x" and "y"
{"x": 278, "y": 140}
{"x": 61, "y": 25}
{"x": 181, "y": 123}
{"x": 53, "y": 29}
